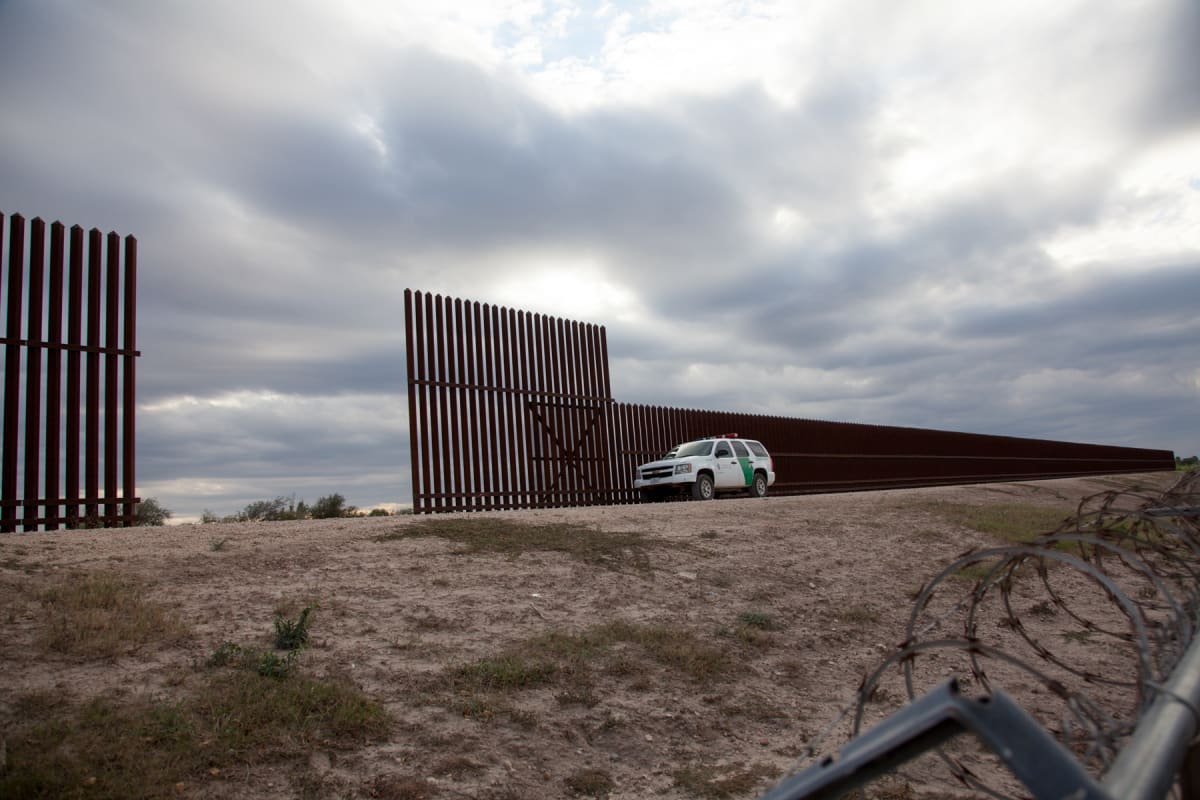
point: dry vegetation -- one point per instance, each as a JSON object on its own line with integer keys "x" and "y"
{"x": 685, "y": 650}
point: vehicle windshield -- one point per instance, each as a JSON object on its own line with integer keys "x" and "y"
{"x": 691, "y": 449}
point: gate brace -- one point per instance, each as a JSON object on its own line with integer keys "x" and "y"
{"x": 1046, "y": 768}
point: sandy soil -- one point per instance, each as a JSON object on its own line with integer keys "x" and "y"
{"x": 831, "y": 580}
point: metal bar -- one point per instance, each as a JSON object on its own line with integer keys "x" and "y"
{"x": 495, "y": 479}
{"x": 432, "y": 443}
{"x": 494, "y": 464}
{"x": 520, "y": 380}
{"x": 1044, "y": 766}
{"x": 129, "y": 386}
{"x": 504, "y": 418}
{"x": 594, "y": 418}
{"x": 459, "y": 421}
{"x": 553, "y": 414}
{"x": 421, "y": 484}
{"x": 529, "y": 422}
{"x": 479, "y": 371}
{"x": 535, "y": 433}
{"x": 604, "y": 471}
{"x": 92, "y": 390}
{"x": 577, "y": 416}
{"x": 1146, "y": 767}
{"x": 111, "y": 364}
{"x": 74, "y": 338}
{"x": 570, "y": 478}
{"x": 540, "y": 324}
{"x": 54, "y": 370}
{"x": 449, "y": 412}
{"x": 409, "y": 358}
{"x": 12, "y": 369}
{"x": 473, "y": 349}
{"x": 444, "y": 310}
{"x": 62, "y": 347}
{"x": 512, "y": 415}
{"x": 33, "y": 371}
{"x": 592, "y": 473}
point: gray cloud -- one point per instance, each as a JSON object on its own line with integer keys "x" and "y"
{"x": 287, "y": 178}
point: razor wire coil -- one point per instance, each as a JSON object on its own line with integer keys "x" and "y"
{"x": 1123, "y": 570}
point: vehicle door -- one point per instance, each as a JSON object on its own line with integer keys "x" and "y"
{"x": 727, "y": 470}
{"x": 745, "y": 460}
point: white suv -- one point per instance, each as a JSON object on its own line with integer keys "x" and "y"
{"x": 706, "y": 466}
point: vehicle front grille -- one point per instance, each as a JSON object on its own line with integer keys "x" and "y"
{"x": 657, "y": 472}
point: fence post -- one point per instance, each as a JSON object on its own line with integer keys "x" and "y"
{"x": 12, "y": 371}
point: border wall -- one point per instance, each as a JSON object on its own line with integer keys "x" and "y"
{"x": 510, "y": 409}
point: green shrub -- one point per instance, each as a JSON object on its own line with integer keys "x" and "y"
{"x": 292, "y": 634}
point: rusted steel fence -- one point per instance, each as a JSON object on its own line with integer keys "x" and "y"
{"x": 67, "y": 435}
{"x": 509, "y": 409}
{"x": 821, "y": 456}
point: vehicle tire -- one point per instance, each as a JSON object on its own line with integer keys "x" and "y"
{"x": 758, "y": 486}
{"x": 703, "y": 488}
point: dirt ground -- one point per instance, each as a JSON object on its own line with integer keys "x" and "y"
{"x": 794, "y": 599}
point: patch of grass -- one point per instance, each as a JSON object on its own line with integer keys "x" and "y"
{"x": 1014, "y": 523}
{"x": 226, "y": 653}
{"x": 758, "y": 619}
{"x": 720, "y": 782}
{"x": 105, "y": 615}
{"x": 1042, "y": 609}
{"x": 566, "y": 662}
{"x": 929, "y": 535}
{"x": 504, "y": 673}
{"x": 216, "y": 545}
{"x": 250, "y": 712}
{"x": 430, "y": 622}
{"x": 975, "y": 571}
{"x": 589, "y": 783}
{"x": 507, "y": 537}
{"x": 753, "y": 628}
{"x": 859, "y": 615}
{"x": 270, "y": 664}
{"x": 145, "y": 747}
{"x": 266, "y": 663}
{"x": 758, "y": 709}
{"x": 676, "y": 648}
{"x": 721, "y": 580}
{"x": 1079, "y": 637}
{"x": 456, "y": 766}
{"x": 400, "y": 787}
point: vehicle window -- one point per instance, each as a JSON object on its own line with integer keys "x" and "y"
{"x": 723, "y": 451}
{"x": 757, "y": 449}
{"x": 693, "y": 449}
{"x": 739, "y": 449}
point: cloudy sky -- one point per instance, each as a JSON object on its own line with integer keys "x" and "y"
{"x": 969, "y": 216}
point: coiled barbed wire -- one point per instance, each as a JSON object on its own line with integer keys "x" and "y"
{"x": 1122, "y": 573}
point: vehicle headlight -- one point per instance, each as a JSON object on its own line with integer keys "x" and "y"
{"x": 680, "y": 468}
